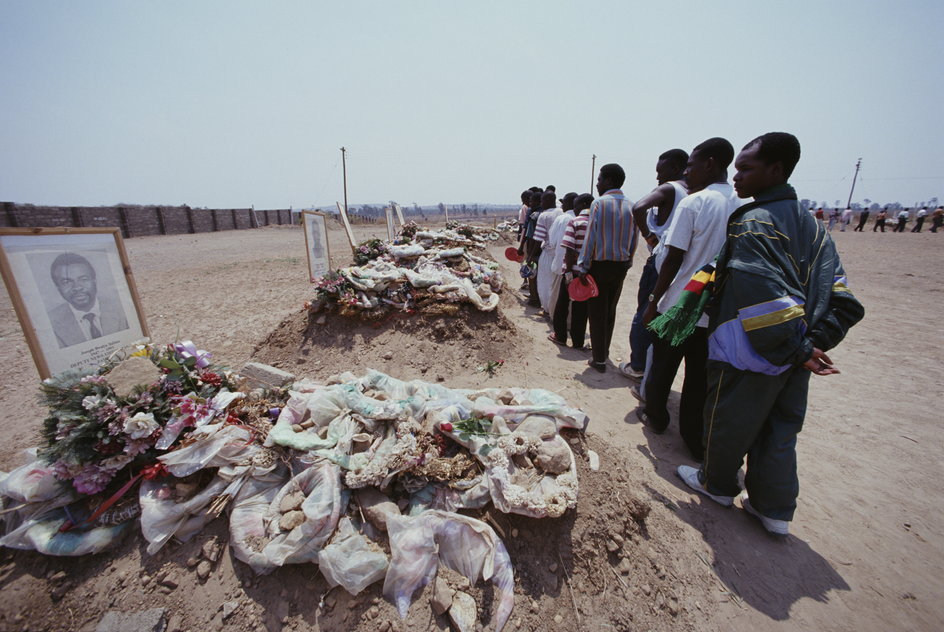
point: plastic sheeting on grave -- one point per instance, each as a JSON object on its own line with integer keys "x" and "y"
{"x": 435, "y": 449}
{"x": 408, "y": 272}
{"x": 513, "y": 433}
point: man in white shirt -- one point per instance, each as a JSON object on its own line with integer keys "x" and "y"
{"x": 84, "y": 316}
{"x": 903, "y": 216}
{"x": 919, "y": 219}
{"x": 542, "y": 233}
{"x": 554, "y": 236}
{"x": 694, "y": 238}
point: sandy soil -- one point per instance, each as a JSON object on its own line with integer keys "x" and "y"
{"x": 640, "y": 552}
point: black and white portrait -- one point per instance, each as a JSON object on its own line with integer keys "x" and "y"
{"x": 73, "y": 293}
{"x": 86, "y": 312}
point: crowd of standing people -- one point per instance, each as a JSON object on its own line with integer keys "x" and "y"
{"x": 739, "y": 284}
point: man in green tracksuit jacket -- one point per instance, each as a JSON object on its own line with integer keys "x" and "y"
{"x": 780, "y": 302}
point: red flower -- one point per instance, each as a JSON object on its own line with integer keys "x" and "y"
{"x": 153, "y": 471}
{"x": 445, "y": 426}
{"x": 211, "y": 378}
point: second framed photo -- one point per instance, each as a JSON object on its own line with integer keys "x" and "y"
{"x": 316, "y": 244}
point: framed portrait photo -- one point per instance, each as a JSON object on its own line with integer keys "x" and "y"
{"x": 316, "y": 244}
{"x": 391, "y": 229}
{"x": 73, "y": 293}
{"x": 347, "y": 226}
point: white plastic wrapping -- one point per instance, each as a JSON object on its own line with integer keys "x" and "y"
{"x": 419, "y": 544}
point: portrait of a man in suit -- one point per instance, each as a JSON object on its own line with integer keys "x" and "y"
{"x": 85, "y": 315}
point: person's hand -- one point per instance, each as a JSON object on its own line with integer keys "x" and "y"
{"x": 649, "y": 315}
{"x": 582, "y": 276}
{"x": 652, "y": 239}
{"x": 820, "y": 364}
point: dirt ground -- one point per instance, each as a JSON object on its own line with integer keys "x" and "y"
{"x": 641, "y": 551}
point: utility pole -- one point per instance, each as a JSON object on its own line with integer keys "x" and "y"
{"x": 849, "y": 201}
{"x": 344, "y": 170}
{"x": 593, "y": 170}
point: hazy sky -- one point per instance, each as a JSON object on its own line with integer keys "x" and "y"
{"x": 234, "y": 103}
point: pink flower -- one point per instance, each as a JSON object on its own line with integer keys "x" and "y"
{"x": 187, "y": 350}
{"x": 138, "y": 446}
{"x": 92, "y": 479}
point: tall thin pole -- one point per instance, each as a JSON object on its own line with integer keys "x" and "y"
{"x": 344, "y": 169}
{"x": 593, "y": 170}
{"x": 849, "y": 201}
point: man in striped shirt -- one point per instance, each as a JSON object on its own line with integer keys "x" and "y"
{"x": 606, "y": 255}
{"x": 572, "y": 242}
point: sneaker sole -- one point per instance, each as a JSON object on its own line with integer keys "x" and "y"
{"x": 773, "y": 529}
{"x": 724, "y": 501}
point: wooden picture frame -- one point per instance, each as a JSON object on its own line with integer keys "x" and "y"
{"x": 347, "y": 226}
{"x": 315, "y": 226}
{"x": 73, "y": 293}
{"x": 399, "y": 212}
{"x": 391, "y": 228}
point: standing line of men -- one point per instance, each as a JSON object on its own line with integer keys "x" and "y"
{"x": 584, "y": 238}
{"x": 778, "y": 303}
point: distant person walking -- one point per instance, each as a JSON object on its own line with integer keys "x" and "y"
{"x": 846, "y": 219}
{"x": 903, "y": 216}
{"x": 880, "y": 220}
{"x": 834, "y": 216}
{"x": 937, "y": 219}
{"x": 863, "y": 218}
{"x": 919, "y": 219}
{"x": 606, "y": 255}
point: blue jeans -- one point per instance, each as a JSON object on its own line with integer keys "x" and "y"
{"x": 639, "y": 336}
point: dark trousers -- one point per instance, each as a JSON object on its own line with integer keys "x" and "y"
{"x": 936, "y": 222}
{"x": 918, "y": 225}
{"x": 533, "y": 253}
{"x": 863, "y": 218}
{"x": 758, "y": 416}
{"x": 639, "y": 337}
{"x": 900, "y": 227}
{"x": 601, "y": 310}
{"x": 665, "y": 363}
{"x": 879, "y": 223}
{"x": 578, "y": 317}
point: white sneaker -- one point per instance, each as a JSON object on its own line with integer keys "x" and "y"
{"x": 689, "y": 474}
{"x": 628, "y": 371}
{"x": 777, "y": 527}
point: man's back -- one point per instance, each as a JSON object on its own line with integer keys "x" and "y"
{"x": 611, "y": 232}
{"x": 699, "y": 228}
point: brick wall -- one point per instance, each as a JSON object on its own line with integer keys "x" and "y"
{"x": 139, "y": 221}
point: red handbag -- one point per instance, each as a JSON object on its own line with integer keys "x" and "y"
{"x": 581, "y": 291}
{"x": 511, "y": 253}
